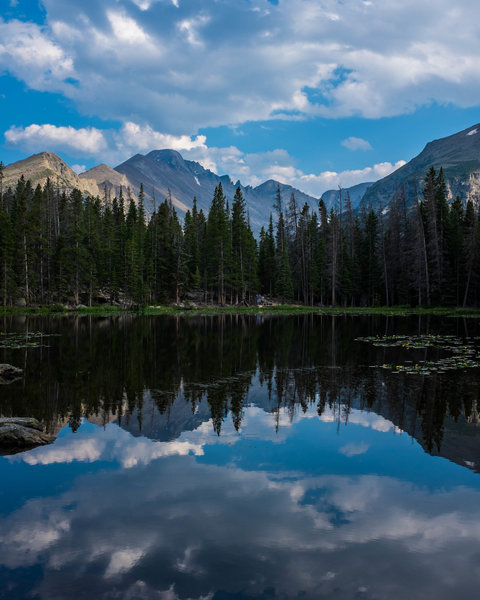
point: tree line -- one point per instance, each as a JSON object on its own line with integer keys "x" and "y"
{"x": 61, "y": 247}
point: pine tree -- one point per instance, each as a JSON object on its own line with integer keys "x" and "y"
{"x": 6, "y": 256}
{"x": 283, "y": 284}
{"x": 266, "y": 260}
{"x": 217, "y": 243}
{"x": 470, "y": 236}
{"x": 243, "y": 249}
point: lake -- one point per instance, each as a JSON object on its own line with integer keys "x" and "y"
{"x": 243, "y": 457}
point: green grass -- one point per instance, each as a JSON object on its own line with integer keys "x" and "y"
{"x": 286, "y": 309}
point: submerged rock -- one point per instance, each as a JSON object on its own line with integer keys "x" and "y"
{"x": 22, "y": 433}
{"x": 9, "y": 373}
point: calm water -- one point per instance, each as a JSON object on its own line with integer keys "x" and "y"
{"x": 236, "y": 458}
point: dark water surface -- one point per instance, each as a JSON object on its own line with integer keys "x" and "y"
{"x": 231, "y": 458}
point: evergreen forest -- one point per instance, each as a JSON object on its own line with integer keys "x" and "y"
{"x": 63, "y": 248}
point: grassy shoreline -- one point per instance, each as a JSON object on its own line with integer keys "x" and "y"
{"x": 285, "y": 309}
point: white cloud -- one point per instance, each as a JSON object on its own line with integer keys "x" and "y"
{"x": 188, "y": 68}
{"x": 250, "y": 168}
{"x": 328, "y": 180}
{"x": 133, "y": 137}
{"x": 189, "y": 27}
{"x": 109, "y": 145}
{"x": 354, "y": 449}
{"x": 35, "y": 138}
{"x": 79, "y": 168}
{"x": 255, "y": 168}
{"x": 112, "y": 445}
{"x": 142, "y": 4}
{"x": 126, "y": 29}
{"x": 31, "y": 55}
{"x": 355, "y": 143}
{"x": 123, "y": 560}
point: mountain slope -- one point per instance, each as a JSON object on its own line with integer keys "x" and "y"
{"x": 46, "y": 165}
{"x": 109, "y": 179}
{"x": 356, "y": 192}
{"x": 165, "y": 172}
{"x": 458, "y": 154}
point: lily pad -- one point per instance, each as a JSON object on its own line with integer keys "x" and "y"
{"x": 464, "y": 352}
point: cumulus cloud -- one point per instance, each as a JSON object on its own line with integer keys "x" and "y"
{"x": 254, "y": 168}
{"x": 126, "y": 29}
{"x": 30, "y": 54}
{"x": 35, "y": 138}
{"x": 102, "y": 144}
{"x": 181, "y": 66}
{"x": 290, "y": 522}
{"x": 250, "y": 168}
{"x": 355, "y": 143}
{"x": 354, "y": 449}
{"x": 331, "y": 179}
{"x": 135, "y": 138}
{"x": 114, "y": 445}
{"x": 291, "y": 519}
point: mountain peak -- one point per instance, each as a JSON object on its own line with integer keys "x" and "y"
{"x": 459, "y": 156}
{"x": 47, "y": 165}
{"x": 171, "y": 157}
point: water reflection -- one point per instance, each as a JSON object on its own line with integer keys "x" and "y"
{"x": 257, "y": 523}
{"x": 231, "y": 459}
{"x": 161, "y": 376}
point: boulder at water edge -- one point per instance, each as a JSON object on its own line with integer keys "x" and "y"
{"x": 9, "y": 373}
{"x": 21, "y": 433}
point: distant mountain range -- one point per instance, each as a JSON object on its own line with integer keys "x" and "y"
{"x": 162, "y": 172}
{"x": 165, "y": 172}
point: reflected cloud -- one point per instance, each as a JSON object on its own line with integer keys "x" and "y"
{"x": 116, "y": 444}
{"x": 354, "y": 449}
{"x": 194, "y": 522}
{"x": 363, "y": 418}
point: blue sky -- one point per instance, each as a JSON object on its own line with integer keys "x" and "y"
{"x": 314, "y": 93}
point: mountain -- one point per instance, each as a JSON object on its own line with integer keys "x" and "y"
{"x": 165, "y": 172}
{"x": 109, "y": 179}
{"x": 356, "y": 193}
{"x": 458, "y": 154}
{"x": 46, "y": 165}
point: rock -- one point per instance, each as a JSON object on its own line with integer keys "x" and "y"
{"x": 22, "y": 433}
{"x": 9, "y": 373}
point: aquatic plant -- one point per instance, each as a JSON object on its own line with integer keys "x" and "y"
{"x": 463, "y": 352}
{"x": 17, "y": 341}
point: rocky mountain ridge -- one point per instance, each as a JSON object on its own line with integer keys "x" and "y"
{"x": 47, "y": 165}
{"x": 457, "y": 154}
{"x": 356, "y": 193}
{"x": 165, "y": 173}
{"x": 108, "y": 181}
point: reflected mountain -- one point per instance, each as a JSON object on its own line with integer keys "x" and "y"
{"x": 161, "y": 376}
{"x": 237, "y": 458}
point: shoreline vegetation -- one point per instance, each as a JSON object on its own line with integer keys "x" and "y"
{"x": 213, "y": 310}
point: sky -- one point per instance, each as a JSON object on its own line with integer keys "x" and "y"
{"x": 312, "y": 93}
